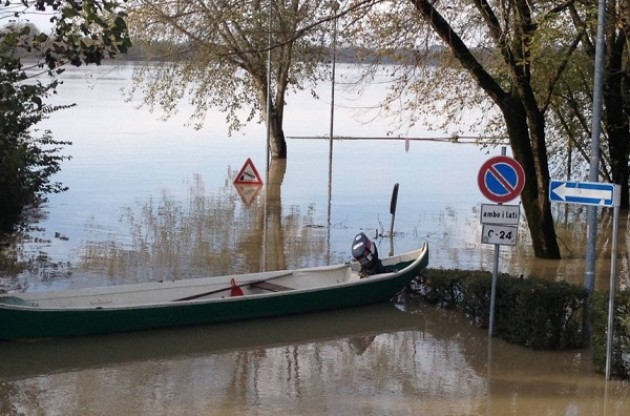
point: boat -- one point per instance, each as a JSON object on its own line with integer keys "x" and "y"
{"x": 151, "y": 305}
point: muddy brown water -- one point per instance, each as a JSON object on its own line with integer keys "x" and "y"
{"x": 365, "y": 361}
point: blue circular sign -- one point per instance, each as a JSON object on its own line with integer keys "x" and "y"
{"x": 501, "y": 179}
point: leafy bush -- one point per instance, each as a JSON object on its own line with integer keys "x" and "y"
{"x": 26, "y": 162}
{"x": 85, "y": 32}
{"x": 532, "y": 312}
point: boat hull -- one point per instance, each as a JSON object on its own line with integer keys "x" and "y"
{"x": 18, "y": 322}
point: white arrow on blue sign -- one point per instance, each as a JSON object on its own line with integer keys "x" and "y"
{"x": 586, "y": 193}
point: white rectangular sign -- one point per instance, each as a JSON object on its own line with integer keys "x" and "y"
{"x": 499, "y": 234}
{"x": 500, "y": 214}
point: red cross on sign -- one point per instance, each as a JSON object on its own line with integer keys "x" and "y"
{"x": 501, "y": 179}
{"x": 248, "y": 175}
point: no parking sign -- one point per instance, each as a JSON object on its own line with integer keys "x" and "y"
{"x": 501, "y": 179}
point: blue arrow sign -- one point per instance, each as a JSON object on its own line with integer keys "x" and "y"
{"x": 586, "y": 193}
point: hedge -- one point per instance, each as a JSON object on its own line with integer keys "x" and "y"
{"x": 620, "y": 363}
{"x": 532, "y": 312}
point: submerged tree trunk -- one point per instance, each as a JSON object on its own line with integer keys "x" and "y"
{"x": 273, "y": 113}
{"x": 277, "y": 141}
{"x": 264, "y": 245}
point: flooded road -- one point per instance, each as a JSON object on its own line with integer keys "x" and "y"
{"x": 150, "y": 201}
{"x": 365, "y": 361}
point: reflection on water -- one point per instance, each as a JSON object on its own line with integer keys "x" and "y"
{"x": 571, "y": 231}
{"x": 213, "y": 235}
{"x": 370, "y": 361}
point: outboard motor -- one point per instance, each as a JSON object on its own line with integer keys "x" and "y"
{"x": 366, "y": 253}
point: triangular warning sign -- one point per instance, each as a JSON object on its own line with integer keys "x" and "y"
{"x": 248, "y": 175}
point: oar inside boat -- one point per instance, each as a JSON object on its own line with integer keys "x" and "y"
{"x": 233, "y": 288}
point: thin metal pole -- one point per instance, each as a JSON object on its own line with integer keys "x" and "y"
{"x": 613, "y": 282}
{"x": 495, "y": 276}
{"x": 269, "y": 40}
{"x": 332, "y": 122}
{"x": 268, "y": 154}
{"x": 493, "y": 290}
{"x": 589, "y": 269}
{"x": 333, "y": 76}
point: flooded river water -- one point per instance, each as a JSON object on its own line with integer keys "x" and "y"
{"x": 364, "y": 361}
{"x": 153, "y": 200}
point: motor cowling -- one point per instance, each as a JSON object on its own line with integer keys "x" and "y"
{"x": 366, "y": 253}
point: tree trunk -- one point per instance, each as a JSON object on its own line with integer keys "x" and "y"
{"x": 533, "y": 159}
{"x": 265, "y": 243}
{"x": 618, "y": 148}
{"x": 616, "y": 121}
{"x": 277, "y": 141}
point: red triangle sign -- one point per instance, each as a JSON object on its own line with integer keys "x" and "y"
{"x": 248, "y": 175}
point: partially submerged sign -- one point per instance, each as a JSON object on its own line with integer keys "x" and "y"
{"x": 248, "y": 175}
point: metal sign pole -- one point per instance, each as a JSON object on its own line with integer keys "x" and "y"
{"x": 613, "y": 281}
{"x": 493, "y": 290}
{"x": 589, "y": 267}
{"x": 501, "y": 179}
{"x": 598, "y": 195}
{"x": 269, "y": 90}
{"x": 495, "y": 273}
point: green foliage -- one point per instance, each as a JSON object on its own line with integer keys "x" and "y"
{"x": 532, "y": 312}
{"x": 540, "y": 314}
{"x": 26, "y": 162}
{"x": 84, "y": 32}
{"x": 442, "y": 288}
{"x": 620, "y": 364}
{"x": 215, "y": 55}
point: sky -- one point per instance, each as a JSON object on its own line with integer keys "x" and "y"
{"x": 40, "y": 19}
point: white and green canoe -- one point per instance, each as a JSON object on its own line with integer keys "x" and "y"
{"x": 142, "y": 306}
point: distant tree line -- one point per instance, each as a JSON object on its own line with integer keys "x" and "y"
{"x": 343, "y": 55}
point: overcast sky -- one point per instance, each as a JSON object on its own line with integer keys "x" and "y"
{"x": 27, "y": 15}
